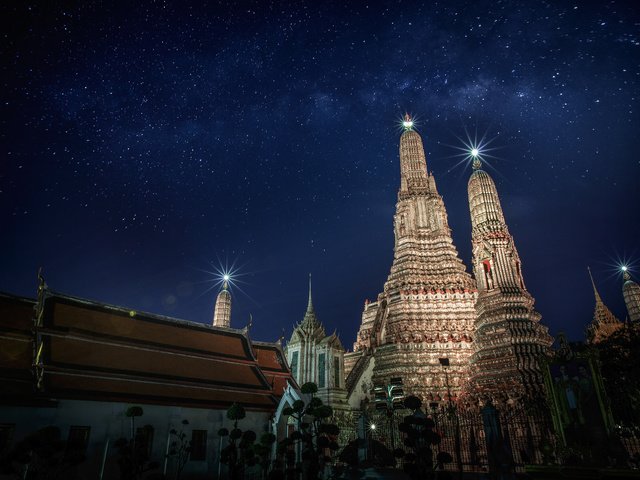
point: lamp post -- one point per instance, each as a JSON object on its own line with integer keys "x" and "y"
{"x": 444, "y": 363}
{"x": 388, "y": 398}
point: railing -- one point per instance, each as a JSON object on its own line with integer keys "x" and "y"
{"x": 525, "y": 437}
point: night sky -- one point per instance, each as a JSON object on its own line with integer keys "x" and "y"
{"x": 146, "y": 144}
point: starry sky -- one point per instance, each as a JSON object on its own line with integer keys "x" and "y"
{"x": 147, "y": 145}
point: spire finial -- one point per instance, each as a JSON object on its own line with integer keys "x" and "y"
{"x": 407, "y": 122}
{"x": 595, "y": 290}
{"x": 225, "y": 281}
{"x": 625, "y": 273}
{"x": 310, "y": 304}
{"x": 475, "y": 154}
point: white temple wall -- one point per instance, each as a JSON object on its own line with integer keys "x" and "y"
{"x": 108, "y": 422}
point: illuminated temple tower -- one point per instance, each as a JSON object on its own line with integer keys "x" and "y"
{"x": 426, "y": 310}
{"x": 631, "y": 292}
{"x": 604, "y": 322}
{"x": 509, "y": 338}
{"x": 317, "y": 357}
{"x": 222, "y": 311}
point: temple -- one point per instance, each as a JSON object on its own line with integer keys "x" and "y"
{"x": 317, "y": 357}
{"x": 509, "y": 339}
{"x": 80, "y": 365}
{"x": 421, "y": 326}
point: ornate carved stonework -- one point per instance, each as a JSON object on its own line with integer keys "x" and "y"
{"x": 510, "y": 341}
{"x": 426, "y": 310}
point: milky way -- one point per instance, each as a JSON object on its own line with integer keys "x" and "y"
{"x": 149, "y": 144}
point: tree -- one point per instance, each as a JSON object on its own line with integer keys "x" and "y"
{"x": 619, "y": 359}
{"x": 419, "y": 438}
{"x": 315, "y": 437}
{"x": 242, "y": 450}
{"x": 42, "y": 454}
{"x": 132, "y": 413}
{"x": 180, "y": 449}
{"x": 133, "y": 456}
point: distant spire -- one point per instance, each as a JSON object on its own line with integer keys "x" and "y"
{"x": 310, "y": 304}
{"x": 222, "y": 310}
{"x": 595, "y": 290}
{"x": 631, "y": 293}
{"x": 604, "y": 322}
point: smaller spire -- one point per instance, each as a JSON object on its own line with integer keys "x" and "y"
{"x": 310, "y": 304}
{"x": 604, "y": 322}
{"x": 477, "y": 164}
{"x": 595, "y": 290}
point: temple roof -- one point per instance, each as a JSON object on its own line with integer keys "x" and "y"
{"x": 91, "y": 350}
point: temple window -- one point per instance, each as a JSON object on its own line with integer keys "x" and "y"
{"x": 321, "y": 370}
{"x": 294, "y": 364}
{"x": 488, "y": 274}
{"x": 199, "y": 445}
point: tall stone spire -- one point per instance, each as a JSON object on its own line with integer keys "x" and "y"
{"x": 509, "y": 339}
{"x": 310, "y": 303}
{"x": 631, "y": 293}
{"x": 426, "y": 310}
{"x": 222, "y": 311}
{"x": 310, "y": 322}
{"x": 604, "y": 322}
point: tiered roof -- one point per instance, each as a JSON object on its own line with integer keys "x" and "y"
{"x": 90, "y": 350}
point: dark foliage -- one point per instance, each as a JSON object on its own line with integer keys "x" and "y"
{"x": 44, "y": 455}
{"x": 419, "y": 440}
{"x": 314, "y": 436}
{"x": 619, "y": 359}
{"x": 179, "y": 449}
{"x": 242, "y": 450}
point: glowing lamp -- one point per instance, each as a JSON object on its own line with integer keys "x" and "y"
{"x": 407, "y": 123}
{"x": 226, "y": 277}
{"x": 475, "y": 152}
{"x": 372, "y": 426}
{"x": 624, "y": 268}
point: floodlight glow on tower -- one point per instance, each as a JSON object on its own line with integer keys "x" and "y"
{"x": 474, "y": 150}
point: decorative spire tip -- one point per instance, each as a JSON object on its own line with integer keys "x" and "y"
{"x": 595, "y": 290}
{"x": 310, "y": 304}
{"x": 407, "y": 122}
